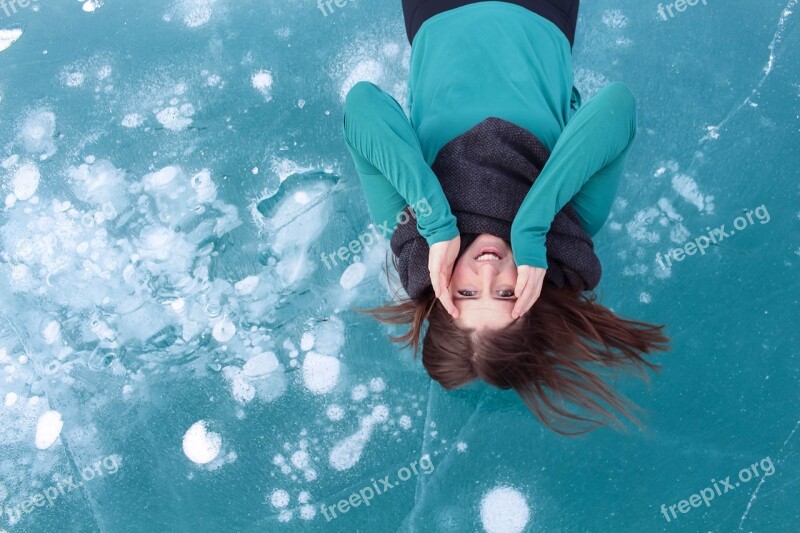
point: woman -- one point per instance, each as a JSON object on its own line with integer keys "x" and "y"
{"x": 518, "y": 176}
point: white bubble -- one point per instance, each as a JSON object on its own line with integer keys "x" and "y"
{"x": 9, "y": 37}
{"x": 200, "y": 445}
{"x": 504, "y": 510}
{"x": 26, "y": 181}
{"x": 334, "y": 412}
{"x": 279, "y": 498}
{"x": 261, "y": 365}
{"x": 48, "y": 429}
{"x": 89, "y": 6}
{"x": 320, "y": 372}
{"x": 307, "y": 341}
{"x": 301, "y": 459}
{"x": 359, "y": 392}
{"x": 377, "y": 385}
{"x": 224, "y": 330}
{"x": 380, "y": 413}
{"x": 353, "y": 275}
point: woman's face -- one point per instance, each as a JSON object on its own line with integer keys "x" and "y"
{"x": 482, "y": 285}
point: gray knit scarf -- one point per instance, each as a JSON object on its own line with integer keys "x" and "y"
{"x": 485, "y": 174}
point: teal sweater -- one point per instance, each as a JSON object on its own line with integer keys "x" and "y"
{"x": 491, "y": 59}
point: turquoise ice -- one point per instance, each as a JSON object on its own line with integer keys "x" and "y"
{"x": 175, "y": 355}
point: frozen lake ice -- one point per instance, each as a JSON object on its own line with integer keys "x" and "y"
{"x": 176, "y": 356}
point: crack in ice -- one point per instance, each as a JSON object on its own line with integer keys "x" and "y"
{"x": 713, "y": 131}
{"x": 763, "y": 479}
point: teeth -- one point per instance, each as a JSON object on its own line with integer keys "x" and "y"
{"x": 488, "y": 257}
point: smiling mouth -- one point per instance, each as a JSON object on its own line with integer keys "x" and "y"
{"x": 489, "y": 253}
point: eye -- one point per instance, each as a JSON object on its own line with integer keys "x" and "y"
{"x": 467, "y": 294}
{"x": 506, "y": 294}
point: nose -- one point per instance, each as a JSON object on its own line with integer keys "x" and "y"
{"x": 487, "y": 271}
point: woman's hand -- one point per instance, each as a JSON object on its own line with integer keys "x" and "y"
{"x": 528, "y": 289}
{"x": 441, "y": 260}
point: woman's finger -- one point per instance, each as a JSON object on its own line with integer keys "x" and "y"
{"x": 433, "y": 270}
{"x": 519, "y": 291}
{"x": 538, "y": 286}
{"x": 523, "y": 303}
{"x": 446, "y": 298}
{"x": 531, "y": 293}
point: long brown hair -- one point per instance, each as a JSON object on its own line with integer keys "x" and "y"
{"x": 547, "y": 356}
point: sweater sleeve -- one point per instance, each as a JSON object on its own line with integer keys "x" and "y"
{"x": 390, "y": 164}
{"x": 584, "y": 169}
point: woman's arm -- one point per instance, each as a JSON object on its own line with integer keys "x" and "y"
{"x": 390, "y": 164}
{"x": 584, "y": 169}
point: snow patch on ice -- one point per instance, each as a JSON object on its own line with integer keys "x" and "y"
{"x": 688, "y": 189}
{"x": 679, "y": 234}
{"x": 638, "y": 228}
{"x": 365, "y": 70}
{"x": 193, "y": 13}
{"x": 262, "y": 82}
{"x": 668, "y": 210}
{"x": 589, "y": 83}
{"x": 614, "y": 19}
{"x": 132, "y": 120}
{"x": 72, "y": 79}
{"x": 174, "y": 118}
{"x": 377, "y": 60}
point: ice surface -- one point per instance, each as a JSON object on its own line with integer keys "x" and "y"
{"x": 172, "y": 176}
